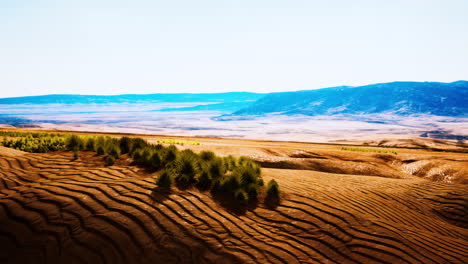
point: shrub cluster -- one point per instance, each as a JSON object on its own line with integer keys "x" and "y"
{"x": 177, "y": 142}
{"x": 239, "y": 179}
{"x": 29, "y": 143}
{"x": 369, "y": 150}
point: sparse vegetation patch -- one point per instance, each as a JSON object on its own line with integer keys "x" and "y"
{"x": 369, "y": 150}
{"x": 237, "y": 179}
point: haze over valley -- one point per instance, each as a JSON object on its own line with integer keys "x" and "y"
{"x": 435, "y": 110}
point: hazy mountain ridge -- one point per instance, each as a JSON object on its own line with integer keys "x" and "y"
{"x": 133, "y": 98}
{"x": 401, "y": 98}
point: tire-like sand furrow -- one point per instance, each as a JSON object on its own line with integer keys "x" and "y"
{"x": 48, "y": 223}
{"x": 396, "y": 248}
{"x": 358, "y": 235}
{"x": 99, "y": 214}
{"x": 4, "y": 164}
{"x": 141, "y": 228}
{"x": 175, "y": 213}
{"x": 133, "y": 190}
{"x": 55, "y": 174}
{"x": 412, "y": 217}
{"x": 289, "y": 240}
{"x": 463, "y": 203}
{"x": 11, "y": 216}
{"x": 298, "y": 190}
{"x": 16, "y": 175}
{"x": 233, "y": 220}
{"x": 103, "y": 218}
{"x": 354, "y": 202}
{"x": 243, "y": 231}
{"x": 109, "y": 173}
{"x": 11, "y": 180}
{"x": 110, "y": 255}
{"x": 238, "y": 244}
{"x": 399, "y": 246}
{"x": 109, "y": 196}
{"x": 9, "y": 164}
{"x": 456, "y": 249}
{"x": 138, "y": 196}
{"x": 52, "y": 160}
{"x": 247, "y": 233}
{"x": 327, "y": 249}
{"x": 430, "y": 252}
{"x": 127, "y": 171}
{"x": 433, "y": 249}
{"x": 15, "y": 163}
{"x": 77, "y": 176}
{"x": 114, "y": 172}
{"x": 107, "y": 240}
{"x": 454, "y": 244}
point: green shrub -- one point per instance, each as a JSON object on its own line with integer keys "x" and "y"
{"x": 74, "y": 142}
{"x": 231, "y": 183}
{"x": 241, "y": 197}
{"x": 75, "y": 155}
{"x": 252, "y": 190}
{"x": 204, "y": 181}
{"x": 114, "y": 151}
{"x": 238, "y": 179}
{"x": 90, "y": 145}
{"x": 100, "y": 151}
{"x": 171, "y": 155}
{"x": 207, "y": 155}
{"x": 165, "y": 179}
{"x": 125, "y": 144}
{"x": 110, "y": 160}
{"x": 155, "y": 161}
{"x": 216, "y": 168}
{"x": 272, "y": 191}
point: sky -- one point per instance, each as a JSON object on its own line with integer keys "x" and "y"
{"x": 153, "y": 46}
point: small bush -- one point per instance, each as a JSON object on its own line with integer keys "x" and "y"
{"x": 184, "y": 180}
{"x": 74, "y": 142}
{"x": 217, "y": 168}
{"x": 90, "y": 145}
{"x": 165, "y": 179}
{"x": 136, "y": 156}
{"x": 115, "y": 152}
{"x": 272, "y": 191}
{"x": 207, "y": 155}
{"x": 231, "y": 183}
{"x": 75, "y": 155}
{"x": 238, "y": 179}
{"x": 241, "y": 197}
{"x": 100, "y": 151}
{"x": 125, "y": 144}
{"x": 204, "y": 181}
{"x": 252, "y": 190}
{"x": 155, "y": 161}
{"x": 110, "y": 160}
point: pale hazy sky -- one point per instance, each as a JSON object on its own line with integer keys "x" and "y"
{"x": 152, "y": 46}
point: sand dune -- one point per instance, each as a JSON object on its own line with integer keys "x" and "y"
{"x": 54, "y": 210}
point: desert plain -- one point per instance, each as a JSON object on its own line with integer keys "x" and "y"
{"x": 369, "y": 201}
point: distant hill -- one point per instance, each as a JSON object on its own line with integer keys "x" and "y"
{"x": 402, "y": 98}
{"x": 134, "y": 98}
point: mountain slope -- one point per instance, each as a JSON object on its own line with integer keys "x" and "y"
{"x": 132, "y": 98}
{"x": 403, "y": 98}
